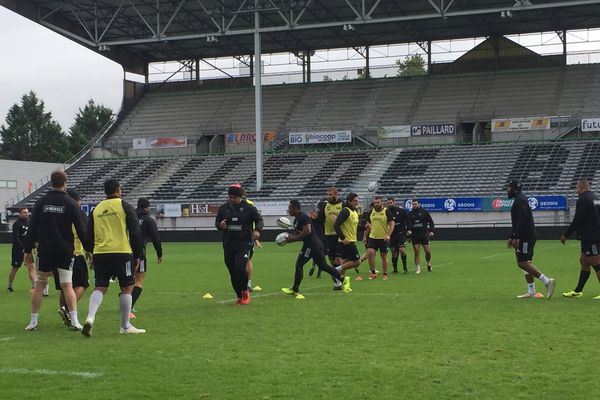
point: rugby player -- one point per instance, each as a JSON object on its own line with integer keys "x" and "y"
{"x": 241, "y": 224}
{"x": 398, "y": 237}
{"x": 19, "y": 232}
{"x": 148, "y": 231}
{"x": 421, "y": 230}
{"x": 113, "y": 236}
{"x": 312, "y": 248}
{"x": 377, "y": 235}
{"x": 586, "y": 222}
{"x": 523, "y": 238}
{"x": 52, "y": 222}
{"x": 80, "y": 271}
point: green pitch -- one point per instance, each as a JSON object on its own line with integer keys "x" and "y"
{"x": 455, "y": 333}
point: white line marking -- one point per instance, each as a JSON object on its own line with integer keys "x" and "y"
{"x": 6, "y": 339}
{"x": 441, "y": 265}
{"x": 359, "y": 294}
{"x": 26, "y": 371}
{"x": 497, "y": 255}
{"x": 512, "y": 253}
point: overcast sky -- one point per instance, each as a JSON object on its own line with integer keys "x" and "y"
{"x": 64, "y": 74}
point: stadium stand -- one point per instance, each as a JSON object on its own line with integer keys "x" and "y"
{"x": 477, "y": 170}
{"x": 358, "y": 104}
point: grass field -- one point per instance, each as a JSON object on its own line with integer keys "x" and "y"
{"x": 456, "y": 333}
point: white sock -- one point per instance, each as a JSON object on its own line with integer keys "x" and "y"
{"x": 249, "y": 283}
{"x": 45, "y": 293}
{"x": 418, "y": 266}
{"x": 544, "y": 279}
{"x": 95, "y": 301}
{"x": 339, "y": 269}
{"x": 338, "y": 283}
{"x": 34, "y": 318}
{"x": 531, "y": 288}
{"x": 74, "y": 320}
{"x": 125, "y": 306}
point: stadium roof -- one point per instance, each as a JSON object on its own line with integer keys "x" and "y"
{"x": 135, "y": 32}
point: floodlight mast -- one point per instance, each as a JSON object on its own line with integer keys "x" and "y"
{"x": 258, "y": 97}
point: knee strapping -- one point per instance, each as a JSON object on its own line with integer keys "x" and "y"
{"x": 64, "y": 275}
{"x": 42, "y": 279}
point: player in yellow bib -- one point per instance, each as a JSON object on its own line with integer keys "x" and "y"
{"x": 346, "y": 225}
{"x": 113, "y": 237}
{"x": 380, "y": 225}
{"x": 326, "y": 216}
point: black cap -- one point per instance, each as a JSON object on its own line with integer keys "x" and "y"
{"x": 235, "y": 191}
{"x": 73, "y": 194}
{"x": 515, "y": 184}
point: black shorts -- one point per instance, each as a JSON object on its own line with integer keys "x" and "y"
{"x": 420, "y": 239}
{"x": 397, "y": 240}
{"x": 143, "y": 264}
{"x": 314, "y": 252}
{"x": 80, "y": 274}
{"x": 378, "y": 244}
{"x": 589, "y": 248}
{"x": 17, "y": 257}
{"x": 330, "y": 243}
{"x": 119, "y": 265}
{"x": 48, "y": 263}
{"x": 347, "y": 251}
{"x": 525, "y": 250}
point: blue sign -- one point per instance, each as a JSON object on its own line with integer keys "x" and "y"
{"x": 469, "y": 204}
{"x": 449, "y": 204}
{"x": 547, "y": 203}
{"x": 88, "y": 208}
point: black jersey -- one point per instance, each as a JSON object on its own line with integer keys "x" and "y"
{"x": 523, "y": 226}
{"x": 586, "y": 221}
{"x": 420, "y": 222}
{"x": 401, "y": 220}
{"x": 300, "y": 222}
{"x": 148, "y": 231}
{"x": 19, "y": 232}
{"x": 52, "y": 222}
{"x": 241, "y": 220}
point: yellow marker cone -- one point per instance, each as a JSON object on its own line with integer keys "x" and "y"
{"x": 207, "y": 296}
{"x": 257, "y": 288}
{"x": 300, "y": 297}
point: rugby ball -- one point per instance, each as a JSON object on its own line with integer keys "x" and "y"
{"x": 284, "y": 223}
{"x": 281, "y": 238}
{"x": 373, "y": 186}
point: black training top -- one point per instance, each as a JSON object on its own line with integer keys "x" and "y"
{"x": 523, "y": 226}
{"x": 401, "y": 220}
{"x": 300, "y": 222}
{"x": 420, "y": 222}
{"x": 241, "y": 220}
{"x": 19, "y": 231}
{"x": 586, "y": 221}
{"x": 149, "y": 231}
{"x": 51, "y": 224}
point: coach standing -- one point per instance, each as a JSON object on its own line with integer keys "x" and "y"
{"x": 54, "y": 217}
{"x": 241, "y": 225}
{"x": 586, "y": 223}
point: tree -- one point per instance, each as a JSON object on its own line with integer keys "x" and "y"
{"x": 88, "y": 122}
{"x": 412, "y": 65}
{"x": 31, "y": 134}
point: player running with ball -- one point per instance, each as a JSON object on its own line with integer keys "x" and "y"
{"x": 312, "y": 248}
